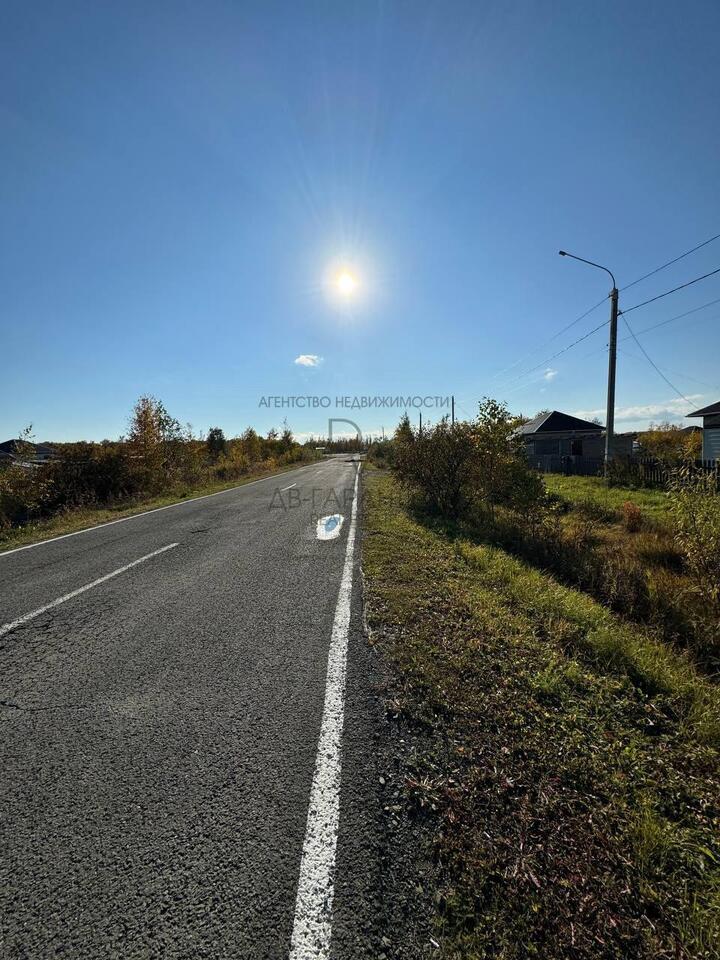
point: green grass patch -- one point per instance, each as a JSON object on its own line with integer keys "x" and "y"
{"x": 567, "y": 760}
{"x": 653, "y": 503}
{"x": 621, "y": 546}
{"x": 82, "y": 518}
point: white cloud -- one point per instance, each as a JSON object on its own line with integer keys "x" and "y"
{"x": 674, "y": 409}
{"x": 550, "y": 374}
{"x": 308, "y": 360}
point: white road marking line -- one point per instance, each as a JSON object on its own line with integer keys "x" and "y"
{"x": 312, "y": 926}
{"x": 134, "y": 516}
{"x": 7, "y": 627}
{"x": 288, "y": 488}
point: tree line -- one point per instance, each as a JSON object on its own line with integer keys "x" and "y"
{"x": 157, "y": 455}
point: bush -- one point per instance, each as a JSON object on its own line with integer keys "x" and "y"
{"x": 501, "y": 476}
{"x": 251, "y": 445}
{"x": 457, "y": 466}
{"x": 86, "y": 474}
{"x": 158, "y": 456}
{"x": 695, "y": 510}
{"x": 437, "y": 463}
{"x": 632, "y": 517}
{"x": 216, "y": 444}
{"x": 669, "y": 443}
{"x": 232, "y": 464}
{"x": 382, "y": 453}
{"x": 24, "y": 494}
{"x": 593, "y": 511}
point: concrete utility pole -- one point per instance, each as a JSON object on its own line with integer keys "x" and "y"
{"x": 612, "y": 363}
{"x": 612, "y": 359}
{"x": 421, "y": 423}
{"x": 452, "y": 420}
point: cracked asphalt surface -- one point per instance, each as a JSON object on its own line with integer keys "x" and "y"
{"x": 159, "y": 731}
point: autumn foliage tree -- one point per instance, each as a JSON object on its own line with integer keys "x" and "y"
{"x": 251, "y": 444}
{"x": 158, "y": 455}
{"x": 669, "y": 443}
{"x": 216, "y": 444}
{"x": 154, "y": 438}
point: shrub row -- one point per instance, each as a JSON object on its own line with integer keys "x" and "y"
{"x": 157, "y": 456}
{"x": 475, "y": 474}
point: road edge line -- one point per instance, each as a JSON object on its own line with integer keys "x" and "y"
{"x": 312, "y": 923}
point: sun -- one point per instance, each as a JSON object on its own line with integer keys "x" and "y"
{"x": 346, "y": 283}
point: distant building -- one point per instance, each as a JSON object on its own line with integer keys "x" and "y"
{"x": 557, "y": 434}
{"x": 711, "y": 430}
{"x": 41, "y": 452}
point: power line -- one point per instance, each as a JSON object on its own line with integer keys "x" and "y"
{"x": 655, "y": 326}
{"x": 676, "y": 373}
{"x": 600, "y": 303}
{"x": 626, "y": 287}
{"x": 679, "y": 316}
{"x": 671, "y": 262}
{"x": 549, "y": 340}
{"x": 674, "y": 290}
{"x": 654, "y": 365}
{"x": 560, "y": 352}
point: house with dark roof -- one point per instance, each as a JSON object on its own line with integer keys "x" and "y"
{"x": 16, "y": 451}
{"x": 711, "y": 430}
{"x": 556, "y": 434}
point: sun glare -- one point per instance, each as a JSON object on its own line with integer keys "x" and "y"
{"x": 346, "y": 283}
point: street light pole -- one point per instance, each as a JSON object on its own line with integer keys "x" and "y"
{"x": 612, "y": 363}
{"x": 612, "y": 359}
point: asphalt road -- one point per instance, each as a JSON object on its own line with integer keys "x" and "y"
{"x": 160, "y": 730}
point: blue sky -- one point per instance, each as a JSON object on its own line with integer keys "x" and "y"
{"x": 177, "y": 179}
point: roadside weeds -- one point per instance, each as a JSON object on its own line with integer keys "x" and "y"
{"x": 564, "y": 770}
{"x": 78, "y": 519}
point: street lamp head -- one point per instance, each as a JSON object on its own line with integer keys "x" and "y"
{"x": 564, "y": 253}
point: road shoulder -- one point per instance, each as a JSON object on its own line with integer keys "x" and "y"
{"x": 382, "y": 908}
{"x": 555, "y": 803}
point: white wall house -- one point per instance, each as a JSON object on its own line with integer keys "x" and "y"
{"x": 711, "y": 430}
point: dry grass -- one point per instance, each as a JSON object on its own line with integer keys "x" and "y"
{"x": 569, "y": 762}
{"x": 653, "y": 503}
{"x": 618, "y": 545}
{"x": 79, "y": 519}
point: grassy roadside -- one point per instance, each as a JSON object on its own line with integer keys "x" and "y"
{"x": 575, "y": 490}
{"x": 620, "y": 545}
{"x": 80, "y": 519}
{"x": 568, "y": 763}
